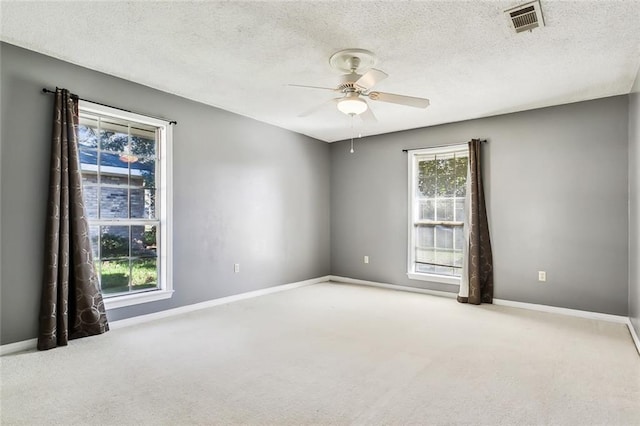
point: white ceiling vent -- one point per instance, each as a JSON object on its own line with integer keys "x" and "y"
{"x": 525, "y": 17}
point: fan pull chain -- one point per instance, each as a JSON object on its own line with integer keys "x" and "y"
{"x": 352, "y": 151}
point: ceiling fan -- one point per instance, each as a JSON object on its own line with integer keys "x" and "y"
{"x": 354, "y": 86}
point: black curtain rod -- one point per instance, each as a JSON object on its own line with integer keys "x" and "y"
{"x": 45, "y": 90}
{"x": 439, "y": 146}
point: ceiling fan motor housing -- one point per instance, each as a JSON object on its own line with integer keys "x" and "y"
{"x": 347, "y": 82}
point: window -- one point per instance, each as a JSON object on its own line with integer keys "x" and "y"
{"x": 124, "y": 159}
{"x": 437, "y": 189}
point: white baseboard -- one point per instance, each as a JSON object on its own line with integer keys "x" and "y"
{"x": 24, "y": 345}
{"x": 31, "y": 344}
{"x": 562, "y": 311}
{"x": 634, "y": 335}
{"x": 346, "y": 280}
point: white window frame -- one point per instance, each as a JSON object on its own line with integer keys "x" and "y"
{"x": 165, "y": 198}
{"x": 412, "y": 167}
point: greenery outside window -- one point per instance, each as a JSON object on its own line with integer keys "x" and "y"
{"x": 124, "y": 158}
{"x": 437, "y": 192}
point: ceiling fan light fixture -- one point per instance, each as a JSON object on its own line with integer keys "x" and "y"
{"x": 126, "y": 156}
{"x": 352, "y": 106}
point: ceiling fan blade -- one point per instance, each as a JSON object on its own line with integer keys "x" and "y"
{"x": 368, "y": 115}
{"x": 399, "y": 99}
{"x": 318, "y": 107}
{"x": 313, "y": 87}
{"x": 370, "y": 79}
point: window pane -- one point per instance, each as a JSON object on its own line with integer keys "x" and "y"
{"x": 144, "y": 274}
{"x": 143, "y": 240}
{"x": 89, "y": 157}
{"x": 143, "y": 147}
{"x": 94, "y": 236}
{"x": 444, "y": 270}
{"x": 426, "y": 184}
{"x": 145, "y": 170}
{"x": 444, "y": 246}
{"x": 444, "y": 175}
{"x": 426, "y": 255}
{"x": 150, "y": 204}
{"x": 114, "y": 276}
{"x": 89, "y": 178}
{"x": 88, "y": 132}
{"x": 425, "y": 251}
{"x": 112, "y": 180}
{"x": 461, "y": 176}
{"x": 114, "y": 241}
{"x": 136, "y": 203}
{"x": 135, "y": 179}
{"x": 447, "y": 176}
{"x": 444, "y": 237}
{"x": 113, "y": 171}
{"x": 90, "y": 198}
{"x": 444, "y": 209}
{"x": 426, "y": 210}
{"x": 425, "y": 269}
{"x": 142, "y": 203}
{"x": 424, "y": 236}
{"x": 113, "y": 202}
{"x": 88, "y": 165}
{"x": 143, "y": 200}
{"x": 113, "y": 135}
{"x": 459, "y": 245}
{"x": 459, "y": 202}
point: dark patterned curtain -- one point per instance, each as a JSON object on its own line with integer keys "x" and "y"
{"x": 71, "y": 305}
{"x": 477, "y": 272}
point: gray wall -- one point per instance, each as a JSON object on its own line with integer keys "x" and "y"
{"x": 634, "y": 210}
{"x": 244, "y": 192}
{"x": 556, "y": 188}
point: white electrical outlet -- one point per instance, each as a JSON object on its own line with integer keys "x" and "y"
{"x": 542, "y": 276}
{"x": 236, "y": 267}
{"x": 366, "y": 259}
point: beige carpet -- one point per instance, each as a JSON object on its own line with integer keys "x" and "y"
{"x": 335, "y": 354}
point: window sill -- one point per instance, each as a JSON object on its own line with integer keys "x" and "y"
{"x": 442, "y": 279}
{"x": 136, "y": 298}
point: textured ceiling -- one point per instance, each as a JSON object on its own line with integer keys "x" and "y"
{"x": 239, "y": 56}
